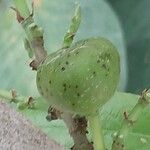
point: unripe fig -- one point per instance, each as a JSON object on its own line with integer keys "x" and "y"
{"x": 82, "y": 78}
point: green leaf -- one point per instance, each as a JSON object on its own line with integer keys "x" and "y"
{"x": 111, "y": 115}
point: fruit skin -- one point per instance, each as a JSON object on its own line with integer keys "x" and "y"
{"x": 82, "y": 78}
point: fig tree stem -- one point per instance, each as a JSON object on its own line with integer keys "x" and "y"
{"x": 97, "y": 133}
{"x": 9, "y": 96}
{"x": 34, "y": 33}
{"x": 22, "y": 102}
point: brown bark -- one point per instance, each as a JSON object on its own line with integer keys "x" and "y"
{"x": 78, "y": 129}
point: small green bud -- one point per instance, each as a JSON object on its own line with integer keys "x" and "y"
{"x": 75, "y": 23}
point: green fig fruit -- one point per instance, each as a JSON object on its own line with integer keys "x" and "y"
{"x": 82, "y": 78}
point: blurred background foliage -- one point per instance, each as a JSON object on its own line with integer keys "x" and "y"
{"x": 135, "y": 21}
{"x": 125, "y": 23}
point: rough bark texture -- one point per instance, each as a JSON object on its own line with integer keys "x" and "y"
{"x": 17, "y": 133}
{"x": 78, "y": 129}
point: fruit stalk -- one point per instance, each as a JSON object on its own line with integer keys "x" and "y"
{"x": 97, "y": 133}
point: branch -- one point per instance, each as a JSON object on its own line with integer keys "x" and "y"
{"x": 34, "y": 42}
{"x": 77, "y": 126}
{"x": 130, "y": 120}
{"x": 21, "y": 101}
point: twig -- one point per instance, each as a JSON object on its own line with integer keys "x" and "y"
{"x": 53, "y": 114}
{"x": 130, "y": 120}
{"x": 21, "y": 101}
{"x": 34, "y": 42}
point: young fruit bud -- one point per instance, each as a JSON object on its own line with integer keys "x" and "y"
{"x": 81, "y": 78}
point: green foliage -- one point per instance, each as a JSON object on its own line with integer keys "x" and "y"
{"x": 135, "y": 20}
{"x": 111, "y": 115}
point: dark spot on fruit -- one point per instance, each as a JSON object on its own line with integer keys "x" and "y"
{"x": 106, "y": 74}
{"x": 76, "y": 86}
{"x": 98, "y": 61}
{"x": 122, "y": 145}
{"x": 64, "y": 85}
{"x": 65, "y": 88}
{"x": 67, "y": 63}
{"x": 50, "y": 81}
{"x": 77, "y": 53}
{"x": 114, "y": 141}
{"x": 94, "y": 73}
{"x": 38, "y": 78}
{"x": 63, "y": 68}
{"x": 104, "y": 66}
{"x": 78, "y": 94}
{"x": 73, "y": 104}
